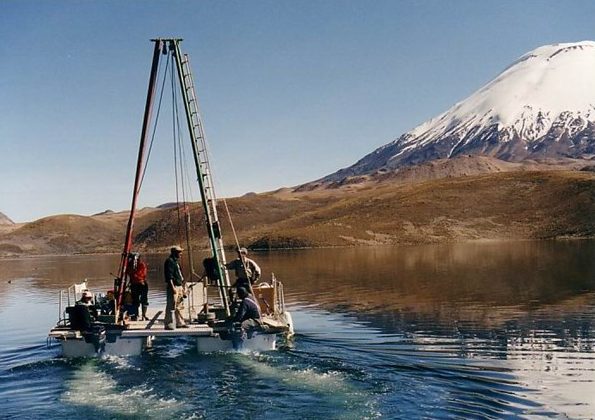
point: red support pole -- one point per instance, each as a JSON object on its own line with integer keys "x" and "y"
{"x": 120, "y": 282}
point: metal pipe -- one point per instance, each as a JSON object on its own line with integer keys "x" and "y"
{"x": 139, "y": 171}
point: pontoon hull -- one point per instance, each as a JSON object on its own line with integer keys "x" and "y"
{"x": 259, "y": 342}
{"x": 78, "y": 347}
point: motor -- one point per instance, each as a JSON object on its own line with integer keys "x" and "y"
{"x": 238, "y": 335}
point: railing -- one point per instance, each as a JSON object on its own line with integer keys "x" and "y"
{"x": 73, "y": 294}
{"x": 197, "y": 298}
{"x": 279, "y": 294}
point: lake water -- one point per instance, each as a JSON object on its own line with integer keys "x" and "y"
{"x": 471, "y": 330}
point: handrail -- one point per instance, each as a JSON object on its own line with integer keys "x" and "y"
{"x": 72, "y": 292}
{"x": 279, "y": 294}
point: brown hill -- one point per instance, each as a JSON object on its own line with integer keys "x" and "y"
{"x": 63, "y": 234}
{"x": 467, "y": 165}
{"x": 251, "y": 214}
{"x": 511, "y": 205}
{"x": 507, "y": 205}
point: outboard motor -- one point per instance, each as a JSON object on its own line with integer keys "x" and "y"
{"x": 238, "y": 336}
{"x": 97, "y": 337}
{"x": 80, "y": 319}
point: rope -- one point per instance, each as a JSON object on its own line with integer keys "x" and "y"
{"x": 180, "y": 173}
{"x": 233, "y": 229}
{"x": 214, "y": 181}
{"x": 183, "y": 171}
{"x": 154, "y": 124}
{"x": 175, "y": 146}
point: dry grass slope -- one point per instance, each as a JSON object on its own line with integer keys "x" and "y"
{"x": 63, "y": 234}
{"x": 506, "y": 205}
{"x": 495, "y": 206}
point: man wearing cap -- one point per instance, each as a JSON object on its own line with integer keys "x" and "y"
{"x": 247, "y": 317}
{"x": 84, "y": 313}
{"x": 175, "y": 290}
{"x": 246, "y": 270}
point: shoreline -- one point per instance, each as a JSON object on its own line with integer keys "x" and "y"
{"x": 397, "y": 245}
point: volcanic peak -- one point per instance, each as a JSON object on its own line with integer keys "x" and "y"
{"x": 542, "y": 106}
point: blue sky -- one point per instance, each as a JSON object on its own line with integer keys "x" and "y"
{"x": 290, "y": 90}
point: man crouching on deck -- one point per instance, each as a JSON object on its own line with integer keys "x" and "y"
{"x": 175, "y": 290}
{"x": 246, "y": 320}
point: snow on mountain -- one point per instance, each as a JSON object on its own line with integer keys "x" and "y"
{"x": 541, "y": 106}
{"x": 5, "y": 220}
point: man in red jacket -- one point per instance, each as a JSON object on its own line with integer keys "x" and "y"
{"x": 137, "y": 270}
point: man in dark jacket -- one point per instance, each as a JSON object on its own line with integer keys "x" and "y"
{"x": 83, "y": 313}
{"x": 175, "y": 290}
{"x": 82, "y": 317}
{"x": 247, "y": 318}
{"x": 248, "y": 314}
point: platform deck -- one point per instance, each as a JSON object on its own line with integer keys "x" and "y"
{"x": 154, "y": 327}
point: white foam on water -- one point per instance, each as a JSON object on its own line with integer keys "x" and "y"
{"x": 331, "y": 384}
{"x": 324, "y": 382}
{"x": 92, "y": 388}
{"x": 120, "y": 362}
{"x": 177, "y": 349}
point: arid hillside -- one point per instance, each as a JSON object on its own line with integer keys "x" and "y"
{"x": 494, "y": 206}
{"x": 466, "y": 165}
{"x": 510, "y": 205}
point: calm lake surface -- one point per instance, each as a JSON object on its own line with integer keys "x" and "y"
{"x": 470, "y": 331}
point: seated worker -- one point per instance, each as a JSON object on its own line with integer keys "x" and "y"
{"x": 246, "y": 320}
{"x": 108, "y": 303}
{"x": 83, "y": 314}
{"x": 129, "y": 309}
{"x": 248, "y": 314}
{"x": 246, "y": 270}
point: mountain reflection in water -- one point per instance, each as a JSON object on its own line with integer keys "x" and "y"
{"x": 478, "y": 286}
{"x": 481, "y": 329}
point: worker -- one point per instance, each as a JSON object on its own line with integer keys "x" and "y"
{"x": 128, "y": 308}
{"x": 175, "y": 290}
{"x": 137, "y": 272}
{"x": 83, "y": 314}
{"x": 248, "y": 313}
{"x": 107, "y": 304}
{"x": 246, "y": 270}
{"x": 247, "y": 319}
{"x": 83, "y": 317}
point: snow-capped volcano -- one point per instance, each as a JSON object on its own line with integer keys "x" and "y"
{"x": 5, "y": 220}
{"x": 541, "y": 106}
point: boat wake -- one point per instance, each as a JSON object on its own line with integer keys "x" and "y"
{"x": 98, "y": 393}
